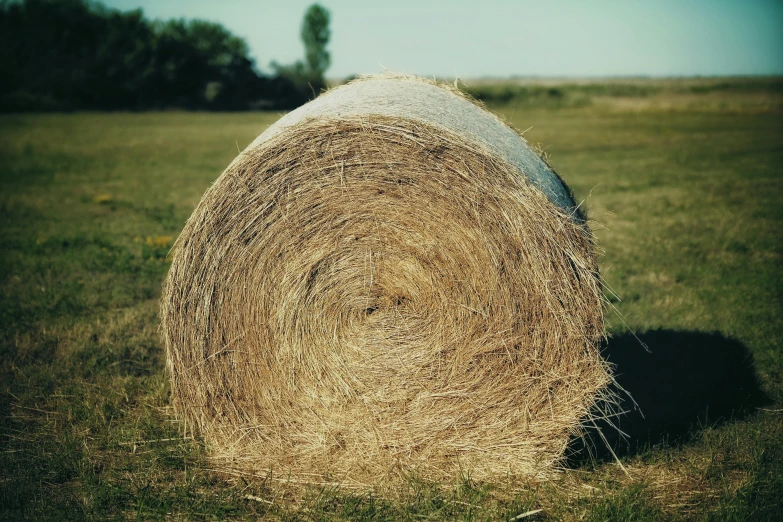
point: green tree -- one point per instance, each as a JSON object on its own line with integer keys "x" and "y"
{"x": 308, "y": 75}
{"x": 78, "y": 54}
{"x": 315, "y": 35}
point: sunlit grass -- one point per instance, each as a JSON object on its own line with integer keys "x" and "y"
{"x": 686, "y": 206}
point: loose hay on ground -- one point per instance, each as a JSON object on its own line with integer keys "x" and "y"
{"x": 367, "y": 295}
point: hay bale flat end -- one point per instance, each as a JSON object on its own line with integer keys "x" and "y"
{"x": 388, "y": 279}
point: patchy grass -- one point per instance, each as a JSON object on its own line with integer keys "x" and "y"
{"x": 686, "y": 202}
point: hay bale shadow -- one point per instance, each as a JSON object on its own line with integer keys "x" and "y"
{"x": 686, "y": 381}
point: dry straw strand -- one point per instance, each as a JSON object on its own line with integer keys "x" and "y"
{"x": 369, "y": 295}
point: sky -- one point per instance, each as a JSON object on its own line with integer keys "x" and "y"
{"x": 558, "y": 38}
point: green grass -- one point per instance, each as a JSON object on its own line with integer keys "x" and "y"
{"x": 686, "y": 198}
{"x": 744, "y": 94}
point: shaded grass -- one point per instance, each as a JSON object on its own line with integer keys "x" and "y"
{"x": 687, "y": 204}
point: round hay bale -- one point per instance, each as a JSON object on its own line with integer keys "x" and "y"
{"x": 388, "y": 279}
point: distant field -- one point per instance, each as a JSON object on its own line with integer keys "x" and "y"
{"x": 636, "y": 94}
{"x": 684, "y": 182}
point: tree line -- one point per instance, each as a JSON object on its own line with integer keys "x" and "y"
{"x": 77, "y": 54}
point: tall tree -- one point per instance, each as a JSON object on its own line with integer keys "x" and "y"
{"x": 315, "y": 35}
{"x": 308, "y": 75}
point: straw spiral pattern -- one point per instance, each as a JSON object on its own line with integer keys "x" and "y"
{"x": 365, "y": 295}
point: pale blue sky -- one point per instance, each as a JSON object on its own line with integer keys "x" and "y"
{"x": 501, "y": 38}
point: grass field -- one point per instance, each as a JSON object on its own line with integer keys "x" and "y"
{"x": 685, "y": 187}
